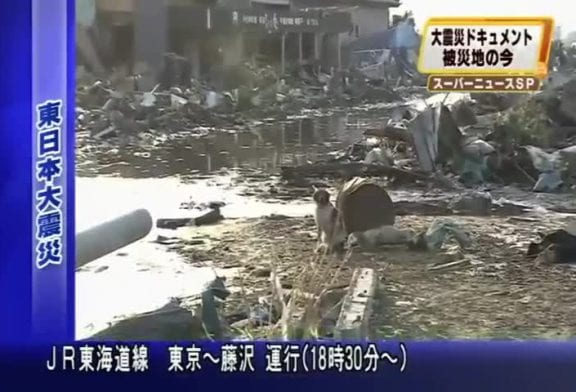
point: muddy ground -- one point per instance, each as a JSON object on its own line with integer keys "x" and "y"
{"x": 495, "y": 292}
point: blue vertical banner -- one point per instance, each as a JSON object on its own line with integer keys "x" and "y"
{"x": 15, "y": 170}
{"x": 52, "y": 173}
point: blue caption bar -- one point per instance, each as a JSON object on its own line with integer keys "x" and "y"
{"x": 38, "y": 263}
{"x": 36, "y": 271}
{"x": 16, "y": 188}
{"x": 51, "y": 217}
{"x": 428, "y": 366}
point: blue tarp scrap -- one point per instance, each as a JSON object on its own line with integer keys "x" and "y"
{"x": 399, "y": 36}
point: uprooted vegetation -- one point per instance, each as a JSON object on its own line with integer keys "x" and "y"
{"x": 307, "y": 310}
{"x": 525, "y": 124}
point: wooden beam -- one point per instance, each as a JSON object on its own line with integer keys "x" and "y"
{"x": 354, "y": 319}
{"x": 300, "y": 47}
{"x": 283, "y": 60}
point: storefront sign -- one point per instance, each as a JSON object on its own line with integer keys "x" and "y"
{"x": 274, "y": 21}
{"x": 224, "y": 20}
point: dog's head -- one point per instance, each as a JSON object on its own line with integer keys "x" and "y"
{"x": 321, "y": 196}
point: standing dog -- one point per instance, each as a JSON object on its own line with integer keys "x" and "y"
{"x": 331, "y": 233}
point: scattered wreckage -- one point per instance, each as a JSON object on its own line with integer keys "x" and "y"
{"x": 446, "y": 135}
{"x": 132, "y": 106}
{"x": 479, "y": 139}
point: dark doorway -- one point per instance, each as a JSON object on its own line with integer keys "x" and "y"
{"x": 123, "y": 45}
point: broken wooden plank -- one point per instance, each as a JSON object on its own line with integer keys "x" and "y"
{"x": 174, "y": 223}
{"x": 351, "y": 169}
{"x": 353, "y": 322}
{"x": 450, "y": 265}
{"x": 392, "y": 133}
{"x": 210, "y": 217}
{"x": 207, "y": 218}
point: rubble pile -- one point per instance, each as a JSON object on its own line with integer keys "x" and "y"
{"x": 130, "y": 107}
{"x": 105, "y": 111}
{"x": 528, "y": 140}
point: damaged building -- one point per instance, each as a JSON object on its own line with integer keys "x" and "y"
{"x": 215, "y": 36}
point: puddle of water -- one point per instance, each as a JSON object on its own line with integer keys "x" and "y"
{"x": 139, "y": 278}
{"x": 144, "y": 276}
{"x": 266, "y": 146}
{"x": 102, "y": 198}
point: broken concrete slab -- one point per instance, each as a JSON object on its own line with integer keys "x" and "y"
{"x": 353, "y": 321}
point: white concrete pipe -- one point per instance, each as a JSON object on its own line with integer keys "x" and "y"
{"x": 109, "y": 236}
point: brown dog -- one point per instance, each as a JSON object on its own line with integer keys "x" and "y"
{"x": 331, "y": 233}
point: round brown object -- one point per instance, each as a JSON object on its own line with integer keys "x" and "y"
{"x": 364, "y": 205}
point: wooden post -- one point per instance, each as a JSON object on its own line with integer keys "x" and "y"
{"x": 283, "y": 61}
{"x": 318, "y": 50}
{"x": 339, "y": 52}
{"x": 300, "y": 47}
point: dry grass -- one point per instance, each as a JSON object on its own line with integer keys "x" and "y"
{"x": 299, "y": 313}
{"x": 303, "y": 310}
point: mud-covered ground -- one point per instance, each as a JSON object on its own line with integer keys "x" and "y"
{"x": 494, "y": 292}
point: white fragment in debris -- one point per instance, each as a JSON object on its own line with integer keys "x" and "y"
{"x": 177, "y": 102}
{"x": 379, "y": 156}
{"x": 213, "y": 99}
{"x": 148, "y": 100}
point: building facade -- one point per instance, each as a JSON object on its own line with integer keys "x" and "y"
{"x": 218, "y": 34}
{"x": 367, "y": 17}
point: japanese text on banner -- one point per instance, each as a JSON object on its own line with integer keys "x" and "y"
{"x": 231, "y": 358}
{"x": 48, "y": 195}
{"x": 485, "y": 46}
